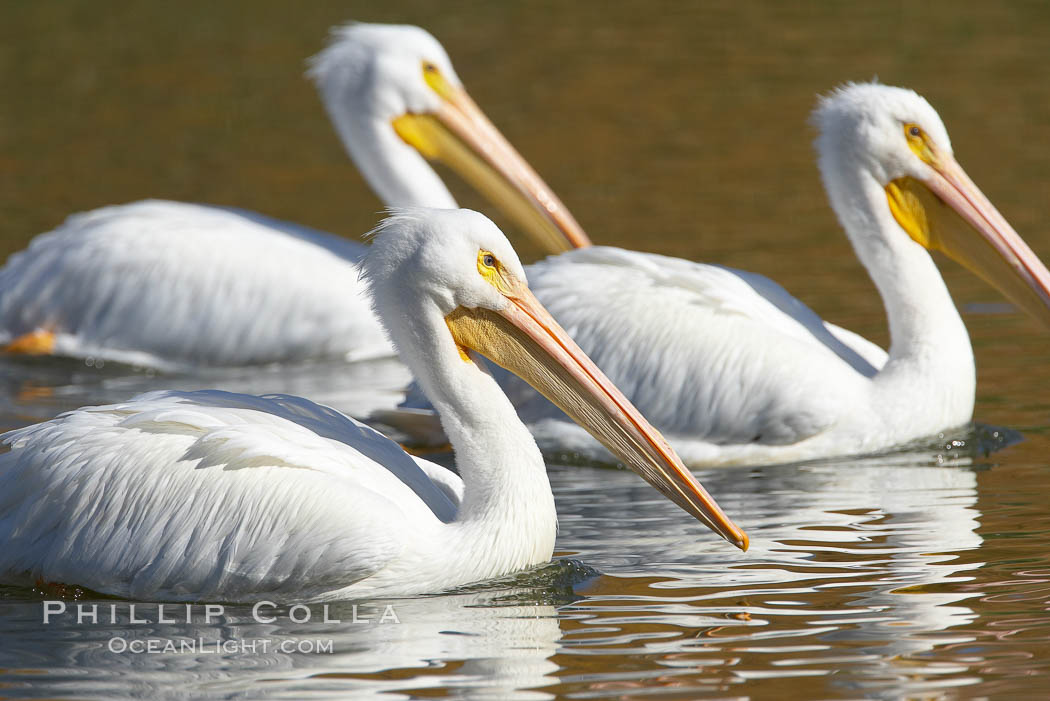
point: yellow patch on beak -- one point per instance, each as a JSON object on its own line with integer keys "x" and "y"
{"x": 456, "y": 133}
{"x": 494, "y": 274}
{"x": 421, "y": 133}
{"x": 946, "y": 212}
{"x": 911, "y": 202}
{"x": 907, "y": 208}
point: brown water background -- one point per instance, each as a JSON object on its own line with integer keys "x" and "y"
{"x": 674, "y": 127}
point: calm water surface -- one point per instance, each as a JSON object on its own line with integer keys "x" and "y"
{"x": 670, "y": 127}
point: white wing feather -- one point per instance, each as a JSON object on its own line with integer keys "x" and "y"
{"x": 168, "y": 283}
{"x": 211, "y": 495}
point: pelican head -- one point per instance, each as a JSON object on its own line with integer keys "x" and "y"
{"x": 450, "y": 279}
{"x": 396, "y": 100}
{"x": 895, "y": 137}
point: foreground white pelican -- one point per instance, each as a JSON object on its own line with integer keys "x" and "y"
{"x": 218, "y": 496}
{"x": 166, "y": 283}
{"x": 733, "y": 369}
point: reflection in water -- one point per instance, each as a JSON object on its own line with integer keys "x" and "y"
{"x": 850, "y": 570}
{"x": 465, "y": 641}
{"x": 859, "y": 581}
{"x": 34, "y": 389}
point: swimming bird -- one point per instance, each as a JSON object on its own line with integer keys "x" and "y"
{"x": 162, "y": 283}
{"x": 733, "y": 369}
{"x": 218, "y": 496}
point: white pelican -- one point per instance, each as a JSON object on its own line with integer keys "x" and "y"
{"x": 211, "y": 495}
{"x": 733, "y": 369}
{"x": 165, "y": 283}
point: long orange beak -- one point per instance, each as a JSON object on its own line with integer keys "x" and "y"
{"x": 525, "y": 339}
{"x": 461, "y": 136}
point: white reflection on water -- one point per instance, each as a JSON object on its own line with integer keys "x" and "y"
{"x": 844, "y": 577}
{"x": 463, "y": 641}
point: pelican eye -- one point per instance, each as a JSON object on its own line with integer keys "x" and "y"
{"x": 487, "y": 263}
{"x": 492, "y": 271}
{"x": 432, "y": 76}
{"x": 914, "y": 132}
{"x": 919, "y": 142}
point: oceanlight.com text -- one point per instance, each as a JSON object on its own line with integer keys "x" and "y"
{"x": 202, "y": 646}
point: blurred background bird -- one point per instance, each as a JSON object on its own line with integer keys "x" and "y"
{"x": 169, "y": 284}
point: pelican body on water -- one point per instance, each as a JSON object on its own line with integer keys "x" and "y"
{"x": 218, "y": 496}
{"x": 733, "y": 369}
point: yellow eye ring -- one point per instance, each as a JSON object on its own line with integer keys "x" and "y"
{"x": 437, "y": 82}
{"x": 491, "y": 269}
{"x": 919, "y": 142}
